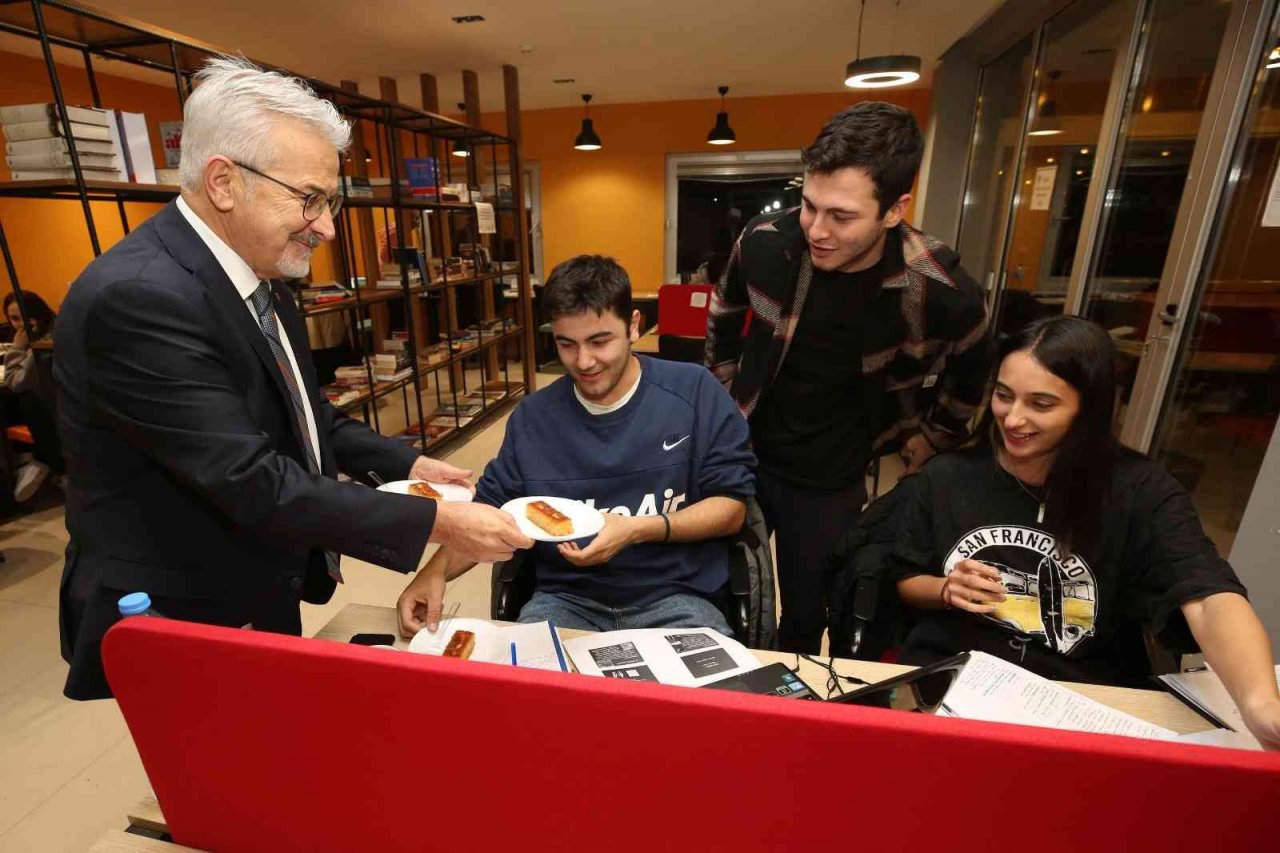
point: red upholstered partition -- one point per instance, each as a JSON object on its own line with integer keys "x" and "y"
{"x": 261, "y": 742}
{"x": 682, "y": 309}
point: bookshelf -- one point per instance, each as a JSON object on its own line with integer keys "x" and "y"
{"x": 380, "y": 234}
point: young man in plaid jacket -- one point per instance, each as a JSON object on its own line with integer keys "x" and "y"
{"x": 862, "y": 336}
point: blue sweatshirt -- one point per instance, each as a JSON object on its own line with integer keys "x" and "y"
{"x": 678, "y": 440}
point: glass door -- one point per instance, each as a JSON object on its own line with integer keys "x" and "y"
{"x": 1221, "y": 412}
{"x": 1082, "y": 45}
{"x": 1169, "y": 90}
{"x": 994, "y": 157}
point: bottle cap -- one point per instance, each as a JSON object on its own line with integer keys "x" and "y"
{"x": 135, "y": 603}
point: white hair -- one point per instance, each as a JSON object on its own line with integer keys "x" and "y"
{"x": 232, "y": 110}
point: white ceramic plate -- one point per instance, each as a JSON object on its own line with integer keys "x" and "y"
{"x": 587, "y": 521}
{"x": 426, "y": 643}
{"x": 449, "y": 492}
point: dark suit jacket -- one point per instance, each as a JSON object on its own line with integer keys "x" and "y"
{"x": 187, "y": 478}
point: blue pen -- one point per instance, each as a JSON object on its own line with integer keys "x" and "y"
{"x": 555, "y": 640}
{"x": 513, "y": 655}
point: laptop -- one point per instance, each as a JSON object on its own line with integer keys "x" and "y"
{"x": 257, "y": 742}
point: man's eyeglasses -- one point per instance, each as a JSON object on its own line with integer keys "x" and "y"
{"x": 313, "y": 204}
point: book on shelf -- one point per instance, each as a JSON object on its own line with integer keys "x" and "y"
{"x": 397, "y": 376}
{"x": 167, "y": 177}
{"x": 501, "y": 385}
{"x": 58, "y": 145}
{"x": 339, "y": 395}
{"x": 461, "y": 409}
{"x": 434, "y": 354}
{"x": 27, "y": 113}
{"x": 421, "y": 172}
{"x": 29, "y": 130}
{"x": 354, "y": 186}
{"x": 62, "y": 160}
{"x": 69, "y": 174}
{"x": 135, "y": 144}
{"x": 323, "y": 295}
{"x": 449, "y": 420}
{"x": 393, "y": 360}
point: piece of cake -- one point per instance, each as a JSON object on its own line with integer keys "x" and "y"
{"x": 461, "y": 645}
{"x": 548, "y": 518}
{"x": 424, "y": 490}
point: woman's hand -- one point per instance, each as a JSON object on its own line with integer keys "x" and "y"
{"x": 973, "y": 586}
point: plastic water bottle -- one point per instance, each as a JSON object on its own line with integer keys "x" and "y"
{"x": 136, "y": 604}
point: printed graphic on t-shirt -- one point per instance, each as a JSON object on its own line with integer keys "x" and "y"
{"x": 1049, "y": 598}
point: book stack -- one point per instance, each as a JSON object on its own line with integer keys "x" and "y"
{"x": 497, "y": 389}
{"x": 340, "y": 395}
{"x": 352, "y": 376}
{"x": 434, "y": 354}
{"x": 320, "y": 294}
{"x": 36, "y": 147}
{"x": 391, "y": 277}
{"x": 462, "y": 409}
{"x": 390, "y": 366}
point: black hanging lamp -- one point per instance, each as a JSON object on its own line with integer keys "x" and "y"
{"x": 880, "y": 72}
{"x": 722, "y": 134}
{"x": 462, "y": 148}
{"x": 587, "y": 139}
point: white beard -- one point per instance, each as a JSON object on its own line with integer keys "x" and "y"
{"x": 295, "y": 266}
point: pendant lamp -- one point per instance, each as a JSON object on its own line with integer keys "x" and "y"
{"x": 722, "y": 134}
{"x": 587, "y": 139}
{"x": 461, "y": 148}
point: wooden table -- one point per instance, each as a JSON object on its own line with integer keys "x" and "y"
{"x": 1155, "y": 706}
{"x": 1152, "y": 705}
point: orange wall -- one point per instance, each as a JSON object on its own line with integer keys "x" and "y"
{"x": 609, "y": 201}
{"x": 612, "y": 201}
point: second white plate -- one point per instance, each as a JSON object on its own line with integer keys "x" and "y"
{"x": 587, "y": 521}
{"x": 449, "y": 492}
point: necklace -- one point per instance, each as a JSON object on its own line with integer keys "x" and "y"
{"x": 1021, "y": 485}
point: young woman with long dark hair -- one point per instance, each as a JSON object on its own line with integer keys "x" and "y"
{"x": 1053, "y": 546}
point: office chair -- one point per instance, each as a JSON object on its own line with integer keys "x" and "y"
{"x": 748, "y": 604}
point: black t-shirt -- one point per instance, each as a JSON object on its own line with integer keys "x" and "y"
{"x": 1074, "y": 619}
{"x": 808, "y": 426}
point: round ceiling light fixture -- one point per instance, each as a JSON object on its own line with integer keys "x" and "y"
{"x": 880, "y": 72}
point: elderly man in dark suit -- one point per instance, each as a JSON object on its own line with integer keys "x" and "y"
{"x": 202, "y": 459}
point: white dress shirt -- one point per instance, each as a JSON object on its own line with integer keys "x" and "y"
{"x": 246, "y": 282}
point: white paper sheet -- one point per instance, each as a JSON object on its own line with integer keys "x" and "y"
{"x": 1001, "y": 692}
{"x": 535, "y": 643}
{"x": 684, "y": 656}
{"x": 1042, "y": 189}
{"x": 485, "y": 222}
{"x": 1204, "y": 689}
{"x": 1222, "y": 737}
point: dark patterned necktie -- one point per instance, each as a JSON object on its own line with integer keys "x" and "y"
{"x": 271, "y": 330}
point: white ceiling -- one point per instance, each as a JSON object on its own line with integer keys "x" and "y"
{"x": 621, "y": 51}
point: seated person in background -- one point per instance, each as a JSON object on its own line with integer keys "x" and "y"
{"x": 23, "y": 377}
{"x": 1052, "y": 546}
{"x": 658, "y": 446}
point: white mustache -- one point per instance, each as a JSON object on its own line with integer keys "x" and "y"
{"x": 308, "y": 240}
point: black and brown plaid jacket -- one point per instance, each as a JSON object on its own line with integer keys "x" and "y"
{"x": 926, "y": 350}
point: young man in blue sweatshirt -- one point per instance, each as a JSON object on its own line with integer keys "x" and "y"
{"x": 658, "y": 446}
